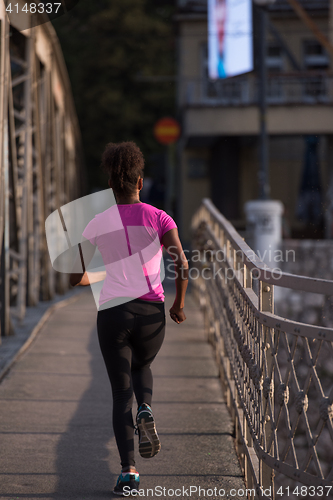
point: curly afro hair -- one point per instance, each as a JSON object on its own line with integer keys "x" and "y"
{"x": 124, "y": 163}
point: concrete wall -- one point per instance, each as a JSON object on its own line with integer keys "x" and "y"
{"x": 286, "y": 119}
{"x": 314, "y": 259}
{"x": 193, "y": 188}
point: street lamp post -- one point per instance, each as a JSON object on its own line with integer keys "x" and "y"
{"x": 263, "y": 176}
{"x": 263, "y": 215}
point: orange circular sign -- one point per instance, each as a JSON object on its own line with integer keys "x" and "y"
{"x": 167, "y": 130}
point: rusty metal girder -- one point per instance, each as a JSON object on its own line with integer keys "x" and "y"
{"x": 40, "y": 162}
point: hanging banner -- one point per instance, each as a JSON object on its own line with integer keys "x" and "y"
{"x": 230, "y": 39}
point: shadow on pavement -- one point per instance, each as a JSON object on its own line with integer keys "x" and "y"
{"x": 84, "y": 455}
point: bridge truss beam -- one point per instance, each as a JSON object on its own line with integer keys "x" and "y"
{"x": 40, "y": 162}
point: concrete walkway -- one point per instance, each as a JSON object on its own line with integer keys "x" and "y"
{"x": 55, "y": 416}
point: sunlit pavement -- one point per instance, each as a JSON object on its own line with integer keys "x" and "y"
{"x": 55, "y": 417}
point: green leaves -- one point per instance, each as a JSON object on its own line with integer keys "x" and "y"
{"x": 108, "y": 47}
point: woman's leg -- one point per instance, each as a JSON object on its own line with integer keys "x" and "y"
{"x": 146, "y": 340}
{"x": 114, "y": 326}
{"x": 130, "y": 336}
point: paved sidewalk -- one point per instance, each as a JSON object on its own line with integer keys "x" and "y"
{"x": 10, "y": 346}
{"x": 55, "y": 415}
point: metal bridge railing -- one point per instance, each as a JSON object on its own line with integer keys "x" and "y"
{"x": 276, "y": 374}
{"x": 40, "y": 162}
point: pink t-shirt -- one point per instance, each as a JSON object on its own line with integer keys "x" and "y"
{"x": 129, "y": 240}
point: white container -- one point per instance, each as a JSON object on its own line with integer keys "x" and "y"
{"x": 264, "y": 229}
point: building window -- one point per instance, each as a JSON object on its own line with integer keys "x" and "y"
{"x": 315, "y": 56}
{"x": 315, "y": 59}
{"x": 274, "y": 59}
{"x": 197, "y": 168}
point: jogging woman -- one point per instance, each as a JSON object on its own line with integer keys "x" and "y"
{"x": 131, "y": 316}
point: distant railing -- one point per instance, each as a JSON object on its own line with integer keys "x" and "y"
{"x": 192, "y": 4}
{"x": 276, "y": 374}
{"x": 305, "y": 88}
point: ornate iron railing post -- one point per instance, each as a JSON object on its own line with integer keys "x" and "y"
{"x": 266, "y": 304}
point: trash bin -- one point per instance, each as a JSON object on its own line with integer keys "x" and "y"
{"x": 264, "y": 229}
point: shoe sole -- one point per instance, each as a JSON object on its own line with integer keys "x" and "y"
{"x": 128, "y": 493}
{"x": 149, "y": 444}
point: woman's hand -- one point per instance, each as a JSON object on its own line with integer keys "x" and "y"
{"x": 172, "y": 244}
{"x": 95, "y": 276}
{"x": 177, "y": 314}
{"x": 88, "y": 278}
{"x": 84, "y": 256}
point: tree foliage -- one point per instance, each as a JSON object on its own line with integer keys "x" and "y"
{"x": 110, "y": 48}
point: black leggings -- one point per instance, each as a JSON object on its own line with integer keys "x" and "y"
{"x": 130, "y": 335}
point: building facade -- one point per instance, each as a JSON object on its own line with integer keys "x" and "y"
{"x": 219, "y": 148}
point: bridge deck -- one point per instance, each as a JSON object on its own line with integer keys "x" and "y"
{"x": 55, "y": 425}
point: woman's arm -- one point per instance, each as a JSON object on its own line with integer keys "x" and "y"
{"x": 173, "y": 246}
{"x": 79, "y": 275}
{"x": 87, "y": 278}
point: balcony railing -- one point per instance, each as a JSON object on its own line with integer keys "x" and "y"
{"x": 280, "y": 6}
{"x": 305, "y": 88}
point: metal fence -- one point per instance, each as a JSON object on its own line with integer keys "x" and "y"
{"x": 304, "y": 88}
{"x": 40, "y": 162}
{"x": 276, "y": 374}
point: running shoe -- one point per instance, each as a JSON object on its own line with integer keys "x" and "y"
{"x": 126, "y": 484}
{"x": 149, "y": 443}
